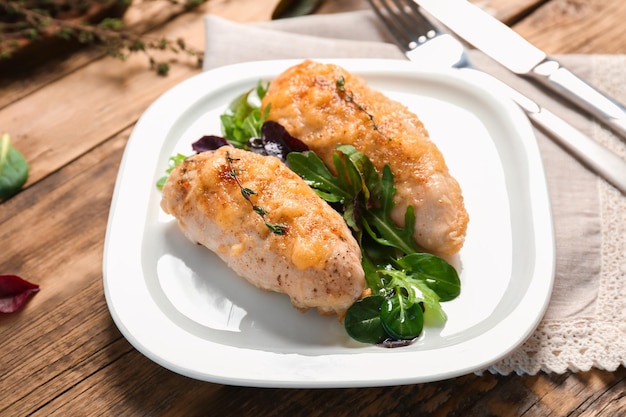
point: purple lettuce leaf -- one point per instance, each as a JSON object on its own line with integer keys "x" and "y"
{"x": 209, "y": 143}
{"x": 276, "y": 141}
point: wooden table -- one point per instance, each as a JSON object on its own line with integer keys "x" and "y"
{"x": 63, "y": 355}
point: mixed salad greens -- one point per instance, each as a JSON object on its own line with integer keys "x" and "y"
{"x": 406, "y": 285}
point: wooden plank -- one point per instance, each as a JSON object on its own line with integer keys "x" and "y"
{"x": 61, "y": 358}
{"x": 557, "y": 27}
{"x": 508, "y": 11}
{"x": 585, "y": 393}
{"x": 132, "y": 385}
{"x": 144, "y": 15}
{"x": 65, "y": 332}
{"x": 141, "y": 17}
{"x": 167, "y": 394}
{"x": 50, "y": 136}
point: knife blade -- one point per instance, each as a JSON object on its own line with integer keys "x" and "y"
{"x": 511, "y": 50}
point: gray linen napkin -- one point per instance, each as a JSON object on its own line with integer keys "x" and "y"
{"x": 585, "y": 323}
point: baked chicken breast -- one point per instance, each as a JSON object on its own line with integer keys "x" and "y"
{"x": 268, "y": 225}
{"x": 324, "y": 105}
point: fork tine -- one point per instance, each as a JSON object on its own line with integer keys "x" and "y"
{"x": 404, "y": 21}
{"x": 408, "y": 22}
{"x": 413, "y": 6}
{"x": 387, "y": 16}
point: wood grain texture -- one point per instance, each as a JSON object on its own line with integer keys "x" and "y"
{"x": 143, "y": 16}
{"x": 508, "y": 11}
{"x": 58, "y": 338}
{"x": 63, "y": 355}
{"x": 50, "y": 136}
{"x": 577, "y": 26}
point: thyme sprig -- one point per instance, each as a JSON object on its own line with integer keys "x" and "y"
{"x": 348, "y": 97}
{"x": 247, "y": 193}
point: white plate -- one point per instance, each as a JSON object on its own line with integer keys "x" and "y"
{"x": 181, "y": 307}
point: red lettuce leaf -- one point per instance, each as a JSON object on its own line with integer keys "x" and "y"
{"x": 14, "y": 292}
{"x": 276, "y": 141}
{"x": 209, "y": 143}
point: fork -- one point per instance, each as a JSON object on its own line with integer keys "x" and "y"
{"x": 422, "y": 41}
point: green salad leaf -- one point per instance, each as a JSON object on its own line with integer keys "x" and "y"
{"x": 315, "y": 173}
{"x": 363, "y": 323}
{"x": 382, "y": 228}
{"x": 435, "y": 272}
{"x": 172, "y": 162}
{"x": 401, "y": 317}
{"x": 244, "y": 117}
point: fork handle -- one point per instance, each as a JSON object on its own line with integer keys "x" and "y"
{"x": 598, "y": 158}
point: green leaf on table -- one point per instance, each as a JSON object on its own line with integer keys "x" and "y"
{"x": 13, "y": 168}
{"x": 294, "y": 8}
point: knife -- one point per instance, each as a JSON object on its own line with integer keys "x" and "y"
{"x": 442, "y": 49}
{"x": 505, "y": 46}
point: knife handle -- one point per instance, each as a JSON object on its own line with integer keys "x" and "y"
{"x": 591, "y": 153}
{"x": 608, "y": 111}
